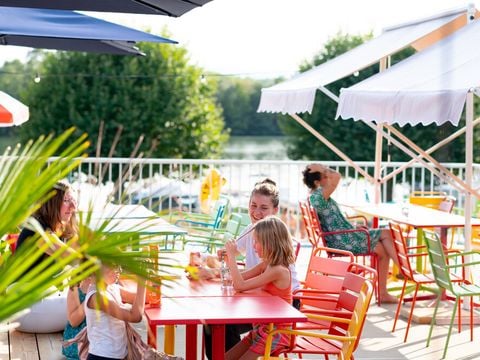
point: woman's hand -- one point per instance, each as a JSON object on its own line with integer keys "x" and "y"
{"x": 318, "y": 168}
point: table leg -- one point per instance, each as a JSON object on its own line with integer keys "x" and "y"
{"x": 191, "y": 342}
{"x": 152, "y": 335}
{"x": 169, "y": 339}
{"x": 420, "y": 242}
{"x": 218, "y": 341}
{"x": 444, "y": 236}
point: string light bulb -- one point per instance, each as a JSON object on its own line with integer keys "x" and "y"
{"x": 203, "y": 79}
{"x": 37, "y": 78}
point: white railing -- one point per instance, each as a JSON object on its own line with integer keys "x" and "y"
{"x": 161, "y": 184}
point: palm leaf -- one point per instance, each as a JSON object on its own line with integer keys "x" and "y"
{"x": 27, "y": 176}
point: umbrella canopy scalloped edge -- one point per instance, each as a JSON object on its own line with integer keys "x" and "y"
{"x": 12, "y": 111}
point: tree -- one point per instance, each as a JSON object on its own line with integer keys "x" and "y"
{"x": 239, "y": 100}
{"x": 355, "y": 138}
{"x": 302, "y": 144}
{"x": 159, "y": 95}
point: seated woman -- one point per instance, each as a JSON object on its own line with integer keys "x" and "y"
{"x": 57, "y": 217}
{"x": 322, "y": 182}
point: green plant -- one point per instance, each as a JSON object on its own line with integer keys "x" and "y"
{"x": 26, "y": 180}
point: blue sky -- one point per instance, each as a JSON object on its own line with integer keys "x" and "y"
{"x": 268, "y": 38}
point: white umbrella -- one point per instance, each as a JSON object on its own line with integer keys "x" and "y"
{"x": 12, "y": 111}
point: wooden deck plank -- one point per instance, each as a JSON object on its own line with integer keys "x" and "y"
{"x": 4, "y": 352}
{"x": 23, "y": 346}
{"x": 50, "y": 346}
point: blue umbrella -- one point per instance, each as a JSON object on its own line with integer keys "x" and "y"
{"x": 68, "y": 30}
{"x": 155, "y": 7}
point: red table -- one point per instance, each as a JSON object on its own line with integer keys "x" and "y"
{"x": 217, "y": 311}
{"x": 184, "y": 287}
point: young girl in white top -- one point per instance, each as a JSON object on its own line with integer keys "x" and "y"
{"x": 106, "y": 317}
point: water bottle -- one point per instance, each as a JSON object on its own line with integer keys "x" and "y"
{"x": 226, "y": 277}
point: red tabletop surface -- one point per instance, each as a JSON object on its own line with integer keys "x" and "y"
{"x": 223, "y": 310}
{"x": 184, "y": 287}
{"x": 217, "y": 311}
{"x": 418, "y": 216}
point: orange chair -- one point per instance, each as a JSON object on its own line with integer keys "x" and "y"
{"x": 404, "y": 254}
{"x": 318, "y": 236}
{"x": 323, "y": 282}
{"x": 353, "y": 302}
{"x": 312, "y": 228}
{"x": 296, "y": 247}
{"x": 447, "y": 204}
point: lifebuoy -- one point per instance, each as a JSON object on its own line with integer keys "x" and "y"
{"x": 210, "y": 189}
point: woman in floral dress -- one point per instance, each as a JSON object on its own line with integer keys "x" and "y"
{"x": 322, "y": 182}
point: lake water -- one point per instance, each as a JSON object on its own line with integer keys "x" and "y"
{"x": 256, "y": 148}
{"x": 238, "y": 147}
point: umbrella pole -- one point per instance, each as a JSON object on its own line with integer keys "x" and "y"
{"x": 468, "y": 170}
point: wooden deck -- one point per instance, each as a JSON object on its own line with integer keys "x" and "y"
{"x": 18, "y": 345}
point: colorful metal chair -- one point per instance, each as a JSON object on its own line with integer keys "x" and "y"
{"x": 404, "y": 255}
{"x": 344, "y": 332}
{"x": 215, "y": 238}
{"x": 442, "y": 268}
{"x": 323, "y": 282}
{"x": 316, "y": 236}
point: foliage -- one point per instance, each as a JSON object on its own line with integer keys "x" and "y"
{"x": 26, "y": 179}
{"x": 239, "y": 99}
{"x": 356, "y": 139}
{"x": 159, "y": 96}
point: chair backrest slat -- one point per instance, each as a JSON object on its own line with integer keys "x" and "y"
{"x": 310, "y": 226}
{"x": 438, "y": 260}
{"x": 401, "y": 250}
{"x": 326, "y": 274}
{"x": 356, "y": 289}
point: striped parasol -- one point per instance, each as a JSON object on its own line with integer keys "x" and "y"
{"x": 12, "y": 111}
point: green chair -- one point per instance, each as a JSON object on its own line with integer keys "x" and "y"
{"x": 442, "y": 265}
{"x": 215, "y": 238}
{"x": 213, "y": 220}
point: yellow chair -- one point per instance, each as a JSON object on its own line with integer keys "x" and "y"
{"x": 342, "y": 337}
{"x": 431, "y": 199}
{"x": 438, "y": 200}
{"x": 476, "y": 239}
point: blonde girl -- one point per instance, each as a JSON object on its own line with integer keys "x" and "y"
{"x": 273, "y": 244}
{"x": 264, "y": 201}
